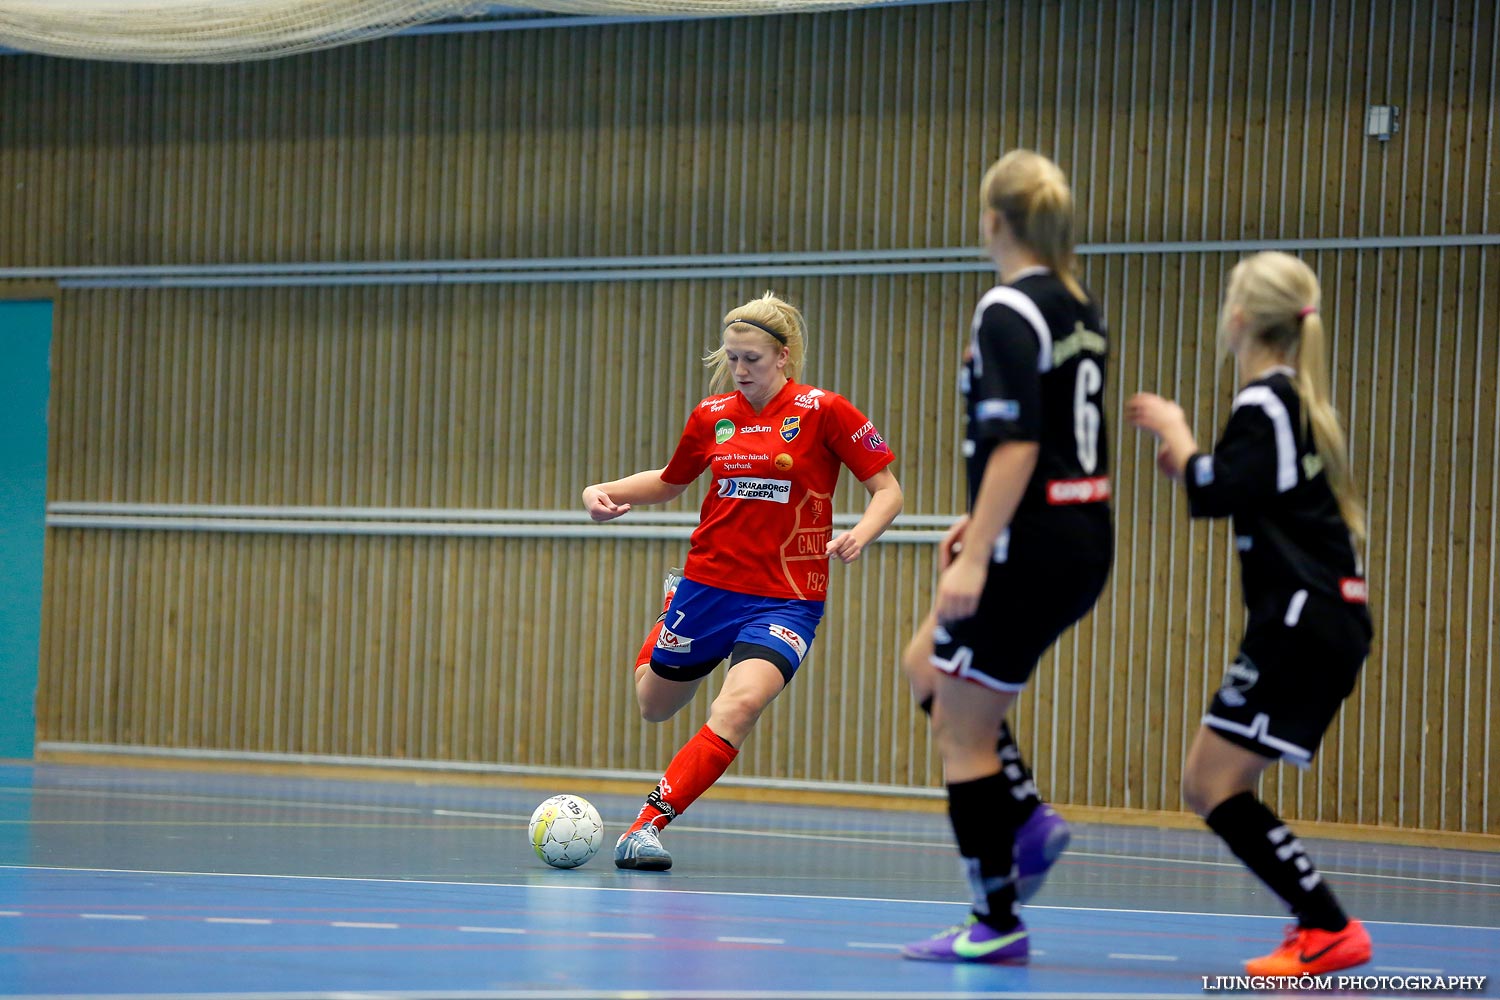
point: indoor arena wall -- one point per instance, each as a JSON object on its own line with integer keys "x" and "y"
{"x": 656, "y": 159}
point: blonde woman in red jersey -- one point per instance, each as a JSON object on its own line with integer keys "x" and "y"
{"x": 757, "y": 566}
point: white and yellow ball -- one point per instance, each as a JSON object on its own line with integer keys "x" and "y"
{"x": 566, "y": 831}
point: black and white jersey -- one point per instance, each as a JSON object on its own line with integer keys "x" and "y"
{"x": 1034, "y": 371}
{"x": 1265, "y": 473}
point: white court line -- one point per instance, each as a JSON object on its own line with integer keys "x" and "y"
{"x": 1236, "y": 864}
{"x": 213, "y": 800}
{"x": 236, "y": 920}
{"x": 630, "y": 935}
{"x": 882, "y": 945}
{"x": 1142, "y": 958}
{"x": 110, "y": 916}
{"x": 10, "y": 913}
{"x": 363, "y": 926}
{"x": 750, "y": 940}
{"x": 635, "y": 994}
{"x": 494, "y": 930}
{"x": 1281, "y": 918}
{"x": 726, "y": 831}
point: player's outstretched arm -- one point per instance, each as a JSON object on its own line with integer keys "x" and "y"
{"x": 885, "y": 503}
{"x": 1000, "y": 490}
{"x": 1165, "y": 419}
{"x": 607, "y": 501}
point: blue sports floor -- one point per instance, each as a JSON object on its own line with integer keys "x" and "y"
{"x": 135, "y": 882}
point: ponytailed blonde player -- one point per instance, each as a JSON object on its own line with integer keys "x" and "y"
{"x": 757, "y": 567}
{"x": 1279, "y": 470}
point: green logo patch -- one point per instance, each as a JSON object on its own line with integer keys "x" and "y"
{"x": 723, "y": 431}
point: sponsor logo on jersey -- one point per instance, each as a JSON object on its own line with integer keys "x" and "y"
{"x": 1312, "y": 464}
{"x": 865, "y": 428}
{"x": 783, "y": 462}
{"x": 790, "y": 427}
{"x": 1355, "y": 590}
{"x": 723, "y": 431}
{"x": 1070, "y": 491}
{"x": 756, "y": 429}
{"x": 672, "y": 641}
{"x": 808, "y": 400}
{"x": 746, "y": 488}
{"x": 791, "y": 638}
{"x": 716, "y": 402}
{"x": 1244, "y": 543}
{"x": 1203, "y": 471}
{"x": 1080, "y": 340}
{"x": 1239, "y": 678}
{"x": 874, "y": 442}
{"x": 997, "y": 409}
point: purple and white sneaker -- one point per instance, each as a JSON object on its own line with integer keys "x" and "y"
{"x": 1039, "y": 843}
{"x": 973, "y": 941}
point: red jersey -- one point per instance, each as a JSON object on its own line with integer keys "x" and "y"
{"x": 765, "y": 524}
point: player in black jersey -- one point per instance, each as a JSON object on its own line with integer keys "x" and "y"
{"x": 1280, "y": 472}
{"x": 1031, "y": 556}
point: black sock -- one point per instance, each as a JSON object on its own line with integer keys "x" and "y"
{"x": 1270, "y": 850}
{"x": 987, "y": 842}
{"x": 1022, "y": 789}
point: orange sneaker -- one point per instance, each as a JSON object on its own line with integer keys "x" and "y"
{"x": 668, "y": 590}
{"x": 1311, "y": 951}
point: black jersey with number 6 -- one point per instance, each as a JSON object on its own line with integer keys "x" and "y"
{"x": 1034, "y": 371}
{"x": 1266, "y": 474}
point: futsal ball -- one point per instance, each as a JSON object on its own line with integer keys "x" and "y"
{"x": 566, "y": 831}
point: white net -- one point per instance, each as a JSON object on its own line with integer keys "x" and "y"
{"x": 233, "y": 30}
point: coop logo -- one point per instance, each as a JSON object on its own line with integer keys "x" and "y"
{"x": 673, "y": 642}
{"x": 791, "y": 638}
{"x": 1069, "y": 491}
{"x": 790, "y": 427}
{"x": 774, "y": 490}
{"x": 808, "y": 400}
{"x": 723, "y": 431}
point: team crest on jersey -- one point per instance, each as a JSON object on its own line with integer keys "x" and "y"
{"x": 790, "y": 428}
{"x": 723, "y": 431}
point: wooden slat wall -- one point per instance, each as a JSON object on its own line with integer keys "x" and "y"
{"x": 865, "y": 129}
{"x": 841, "y": 131}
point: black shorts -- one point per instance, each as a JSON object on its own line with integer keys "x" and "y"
{"x": 1047, "y": 582}
{"x": 1291, "y": 675}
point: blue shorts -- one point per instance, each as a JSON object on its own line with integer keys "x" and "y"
{"x": 705, "y": 624}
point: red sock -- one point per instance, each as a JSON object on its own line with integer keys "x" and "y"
{"x": 701, "y": 762}
{"x": 644, "y": 656}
